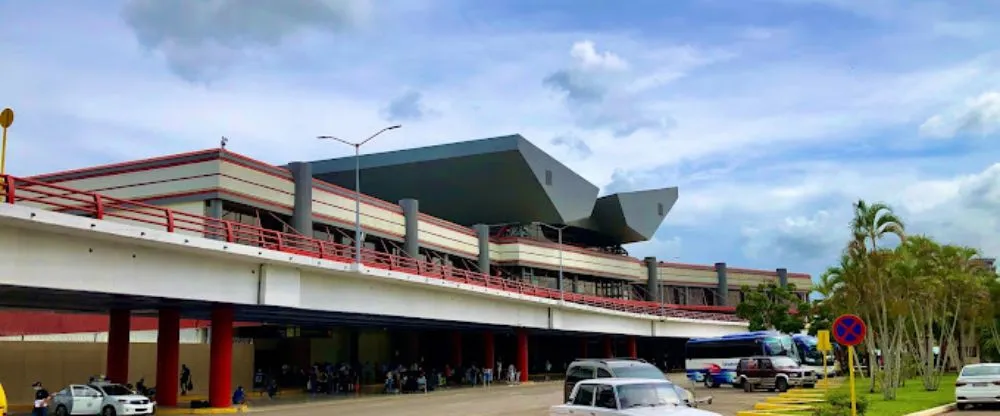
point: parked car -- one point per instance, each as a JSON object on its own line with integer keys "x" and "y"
{"x": 586, "y": 369}
{"x": 978, "y": 384}
{"x": 626, "y": 397}
{"x": 105, "y": 399}
{"x": 773, "y": 373}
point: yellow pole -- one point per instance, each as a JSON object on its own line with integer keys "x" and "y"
{"x": 3, "y": 154}
{"x": 854, "y": 399}
{"x": 826, "y": 374}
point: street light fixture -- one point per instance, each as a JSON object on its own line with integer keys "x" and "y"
{"x": 559, "y": 230}
{"x": 357, "y": 184}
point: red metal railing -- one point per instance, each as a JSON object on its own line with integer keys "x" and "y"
{"x": 53, "y": 197}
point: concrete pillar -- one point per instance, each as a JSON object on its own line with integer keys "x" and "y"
{"x": 483, "y": 233}
{"x": 168, "y": 349}
{"x": 583, "y": 348}
{"x": 723, "y": 288}
{"x": 456, "y": 349}
{"x": 652, "y": 279}
{"x": 576, "y": 284}
{"x": 489, "y": 352}
{"x": 782, "y": 277}
{"x": 633, "y": 346}
{"x": 213, "y": 209}
{"x": 220, "y": 365}
{"x": 411, "y": 220}
{"x": 119, "y": 329}
{"x": 609, "y": 347}
{"x": 302, "y": 202}
{"x": 522, "y": 354}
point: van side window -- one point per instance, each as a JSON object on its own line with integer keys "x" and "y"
{"x": 579, "y": 373}
{"x": 602, "y": 373}
{"x": 765, "y": 364}
{"x": 584, "y": 395}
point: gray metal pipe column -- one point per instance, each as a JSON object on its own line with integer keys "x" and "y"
{"x": 411, "y": 218}
{"x": 652, "y": 279}
{"x": 720, "y": 274}
{"x": 302, "y": 219}
{"x": 483, "y": 232}
{"x": 782, "y": 277}
{"x": 213, "y": 209}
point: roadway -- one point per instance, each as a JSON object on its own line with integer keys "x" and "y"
{"x": 499, "y": 400}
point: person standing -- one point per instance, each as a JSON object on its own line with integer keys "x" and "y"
{"x": 186, "y": 384}
{"x": 42, "y": 397}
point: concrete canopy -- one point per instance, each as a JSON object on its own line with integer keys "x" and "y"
{"x": 501, "y": 180}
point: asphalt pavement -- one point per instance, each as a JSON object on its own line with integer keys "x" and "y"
{"x": 499, "y": 400}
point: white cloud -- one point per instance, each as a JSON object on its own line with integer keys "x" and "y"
{"x": 201, "y": 39}
{"x": 977, "y": 116}
{"x": 588, "y": 58}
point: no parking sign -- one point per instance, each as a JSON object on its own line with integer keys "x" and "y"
{"x": 849, "y": 330}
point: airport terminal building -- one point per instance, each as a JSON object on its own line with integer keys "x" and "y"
{"x": 496, "y": 205}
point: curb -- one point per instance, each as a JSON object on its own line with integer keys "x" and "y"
{"x": 934, "y": 410}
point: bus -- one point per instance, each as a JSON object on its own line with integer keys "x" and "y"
{"x": 713, "y": 360}
{"x": 812, "y": 358}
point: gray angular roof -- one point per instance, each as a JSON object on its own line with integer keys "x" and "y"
{"x": 497, "y": 180}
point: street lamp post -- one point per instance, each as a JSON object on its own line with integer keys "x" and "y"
{"x": 559, "y": 231}
{"x": 357, "y": 184}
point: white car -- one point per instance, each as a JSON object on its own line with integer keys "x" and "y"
{"x": 978, "y": 384}
{"x": 626, "y": 397}
{"x": 105, "y": 399}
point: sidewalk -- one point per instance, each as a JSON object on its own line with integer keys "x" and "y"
{"x": 300, "y": 399}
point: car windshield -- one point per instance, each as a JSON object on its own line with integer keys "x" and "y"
{"x": 639, "y": 371}
{"x": 981, "y": 370}
{"x": 115, "y": 390}
{"x": 783, "y": 362}
{"x": 647, "y": 395}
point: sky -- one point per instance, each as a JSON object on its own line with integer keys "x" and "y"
{"x": 771, "y": 116}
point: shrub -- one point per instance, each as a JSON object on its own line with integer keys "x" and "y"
{"x": 838, "y": 403}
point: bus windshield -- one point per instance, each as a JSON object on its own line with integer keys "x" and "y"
{"x": 781, "y": 346}
{"x": 810, "y": 354}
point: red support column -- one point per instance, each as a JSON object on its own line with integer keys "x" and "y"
{"x": 168, "y": 347}
{"x": 609, "y": 347}
{"x": 489, "y": 354}
{"x": 119, "y": 327}
{"x": 221, "y": 362}
{"x": 633, "y": 347}
{"x": 522, "y": 354}
{"x": 583, "y": 348}
{"x": 456, "y": 349}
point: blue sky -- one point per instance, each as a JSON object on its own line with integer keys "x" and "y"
{"x": 771, "y": 115}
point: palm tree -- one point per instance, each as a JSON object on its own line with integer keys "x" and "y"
{"x": 872, "y": 223}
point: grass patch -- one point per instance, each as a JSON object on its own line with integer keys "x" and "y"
{"x": 910, "y": 398}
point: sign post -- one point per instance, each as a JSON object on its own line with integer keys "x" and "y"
{"x": 849, "y": 330}
{"x": 6, "y": 119}
{"x": 824, "y": 347}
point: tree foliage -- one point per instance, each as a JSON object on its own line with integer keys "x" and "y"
{"x": 771, "y": 306}
{"x": 917, "y": 296}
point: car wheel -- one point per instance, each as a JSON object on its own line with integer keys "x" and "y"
{"x": 781, "y": 385}
{"x": 61, "y": 411}
{"x": 963, "y": 406}
{"x": 108, "y": 411}
{"x": 809, "y": 386}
